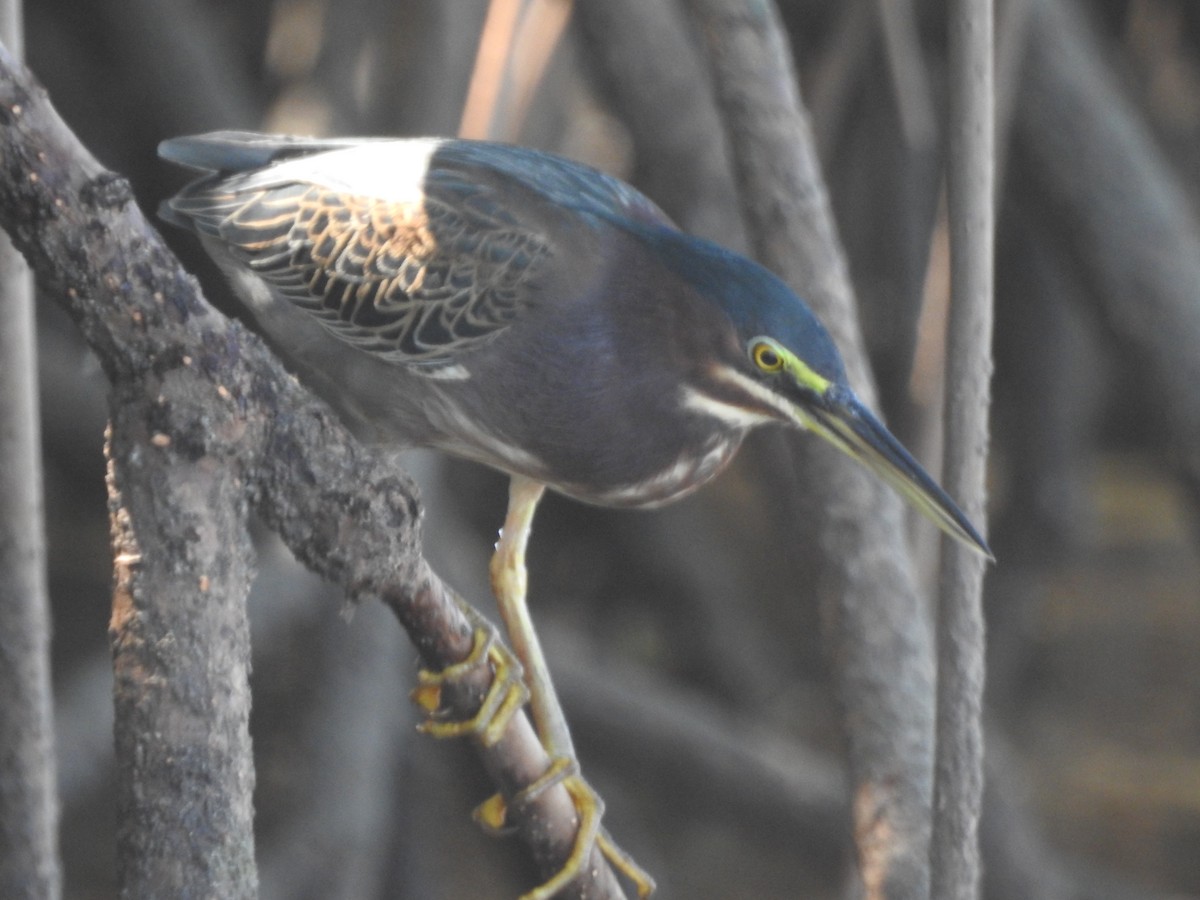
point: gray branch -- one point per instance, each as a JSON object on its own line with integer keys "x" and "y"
{"x": 958, "y": 773}
{"x": 206, "y": 423}
{"x": 29, "y": 863}
{"x": 876, "y": 626}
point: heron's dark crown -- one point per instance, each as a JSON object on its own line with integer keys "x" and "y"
{"x": 757, "y": 303}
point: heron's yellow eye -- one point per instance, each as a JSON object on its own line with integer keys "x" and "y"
{"x": 767, "y": 356}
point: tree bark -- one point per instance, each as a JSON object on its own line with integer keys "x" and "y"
{"x": 29, "y": 865}
{"x": 876, "y": 628}
{"x": 958, "y": 772}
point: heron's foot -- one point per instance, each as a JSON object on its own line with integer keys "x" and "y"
{"x": 492, "y": 814}
{"x": 505, "y": 695}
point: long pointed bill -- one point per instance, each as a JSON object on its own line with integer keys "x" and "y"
{"x": 841, "y": 419}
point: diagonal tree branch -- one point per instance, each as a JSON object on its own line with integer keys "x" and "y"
{"x": 206, "y": 423}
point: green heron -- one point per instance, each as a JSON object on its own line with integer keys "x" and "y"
{"x": 524, "y": 311}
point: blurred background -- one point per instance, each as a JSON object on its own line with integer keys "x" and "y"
{"x": 686, "y": 641}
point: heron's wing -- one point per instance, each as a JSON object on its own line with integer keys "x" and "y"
{"x": 260, "y": 159}
{"x": 226, "y": 152}
{"x": 414, "y": 250}
{"x": 416, "y": 274}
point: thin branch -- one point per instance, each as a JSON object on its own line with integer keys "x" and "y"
{"x": 515, "y": 46}
{"x": 487, "y": 78}
{"x": 839, "y": 61}
{"x": 652, "y": 72}
{"x": 876, "y": 628}
{"x": 29, "y": 863}
{"x": 958, "y": 775}
{"x": 203, "y": 408}
{"x": 910, "y": 80}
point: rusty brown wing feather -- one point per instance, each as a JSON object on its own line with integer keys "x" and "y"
{"x": 417, "y": 281}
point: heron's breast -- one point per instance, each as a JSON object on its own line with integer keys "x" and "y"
{"x": 693, "y": 467}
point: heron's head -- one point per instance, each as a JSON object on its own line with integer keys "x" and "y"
{"x": 777, "y": 362}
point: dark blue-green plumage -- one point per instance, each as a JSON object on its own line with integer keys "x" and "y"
{"x": 519, "y": 309}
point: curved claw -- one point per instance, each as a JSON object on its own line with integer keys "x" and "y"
{"x": 492, "y": 814}
{"x": 642, "y": 881}
{"x": 506, "y": 694}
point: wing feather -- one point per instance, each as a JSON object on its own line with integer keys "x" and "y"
{"x": 414, "y": 250}
{"x": 416, "y": 280}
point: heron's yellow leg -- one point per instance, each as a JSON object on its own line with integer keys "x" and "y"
{"x": 510, "y": 582}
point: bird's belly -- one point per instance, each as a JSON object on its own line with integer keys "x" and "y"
{"x": 655, "y": 486}
{"x": 633, "y": 456}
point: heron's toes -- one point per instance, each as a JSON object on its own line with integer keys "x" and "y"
{"x": 492, "y": 814}
{"x": 505, "y": 695}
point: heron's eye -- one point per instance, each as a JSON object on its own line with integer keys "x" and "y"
{"x": 767, "y": 356}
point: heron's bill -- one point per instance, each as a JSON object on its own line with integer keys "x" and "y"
{"x": 842, "y": 420}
